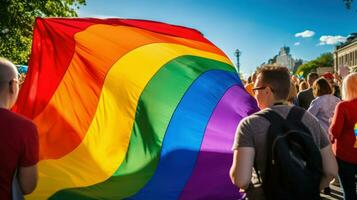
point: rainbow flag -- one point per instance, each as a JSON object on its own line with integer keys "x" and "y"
{"x": 300, "y": 74}
{"x": 131, "y": 109}
{"x": 355, "y": 130}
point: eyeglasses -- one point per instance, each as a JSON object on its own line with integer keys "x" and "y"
{"x": 262, "y": 88}
{"x": 259, "y": 88}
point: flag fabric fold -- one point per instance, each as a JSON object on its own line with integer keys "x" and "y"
{"x": 131, "y": 109}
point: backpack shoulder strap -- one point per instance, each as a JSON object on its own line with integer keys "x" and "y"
{"x": 275, "y": 120}
{"x": 296, "y": 113}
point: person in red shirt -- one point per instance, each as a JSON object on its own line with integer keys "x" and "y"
{"x": 19, "y": 138}
{"x": 344, "y": 132}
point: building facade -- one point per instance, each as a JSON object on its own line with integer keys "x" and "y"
{"x": 285, "y": 59}
{"x": 345, "y": 55}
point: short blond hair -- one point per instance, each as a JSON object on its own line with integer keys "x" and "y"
{"x": 349, "y": 89}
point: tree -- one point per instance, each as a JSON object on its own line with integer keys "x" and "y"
{"x": 16, "y": 23}
{"x": 353, "y": 69}
{"x": 324, "y": 60}
{"x": 348, "y": 4}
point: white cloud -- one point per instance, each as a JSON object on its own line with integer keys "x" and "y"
{"x": 296, "y": 43}
{"x": 331, "y": 40}
{"x": 305, "y": 34}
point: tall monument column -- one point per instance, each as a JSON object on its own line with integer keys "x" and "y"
{"x": 238, "y": 53}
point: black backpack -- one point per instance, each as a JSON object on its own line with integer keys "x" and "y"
{"x": 294, "y": 163}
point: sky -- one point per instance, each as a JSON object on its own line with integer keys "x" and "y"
{"x": 258, "y": 28}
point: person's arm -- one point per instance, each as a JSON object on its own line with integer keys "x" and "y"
{"x": 329, "y": 166}
{"x": 27, "y": 177}
{"x": 243, "y": 155}
{"x": 241, "y": 170}
{"x": 27, "y": 169}
{"x": 337, "y": 122}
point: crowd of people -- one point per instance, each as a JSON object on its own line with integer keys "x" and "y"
{"x": 323, "y": 106}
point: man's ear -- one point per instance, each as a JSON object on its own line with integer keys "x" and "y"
{"x": 12, "y": 87}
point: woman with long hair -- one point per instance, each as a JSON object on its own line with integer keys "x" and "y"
{"x": 324, "y": 103}
{"x": 344, "y": 133}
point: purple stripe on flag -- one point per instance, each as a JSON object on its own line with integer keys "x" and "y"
{"x": 210, "y": 177}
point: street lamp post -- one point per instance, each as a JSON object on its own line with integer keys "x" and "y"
{"x": 238, "y": 53}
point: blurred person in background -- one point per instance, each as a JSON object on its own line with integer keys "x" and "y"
{"x": 292, "y": 97}
{"x": 303, "y": 86}
{"x": 306, "y": 96}
{"x": 344, "y": 136}
{"x": 249, "y": 86}
{"x": 323, "y": 106}
{"x": 331, "y": 79}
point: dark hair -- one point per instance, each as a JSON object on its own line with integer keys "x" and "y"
{"x": 321, "y": 87}
{"x": 278, "y": 79}
{"x": 311, "y": 77}
{"x": 249, "y": 79}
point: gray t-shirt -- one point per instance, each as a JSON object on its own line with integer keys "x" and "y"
{"x": 252, "y": 132}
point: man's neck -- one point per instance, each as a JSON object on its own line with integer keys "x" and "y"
{"x": 4, "y": 105}
{"x": 278, "y": 102}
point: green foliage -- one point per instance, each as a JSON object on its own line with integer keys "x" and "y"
{"x": 16, "y": 23}
{"x": 353, "y": 69}
{"x": 324, "y": 60}
{"x": 348, "y": 4}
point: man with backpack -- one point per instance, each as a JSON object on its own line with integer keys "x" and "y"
{"x": 289, "y": 151}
